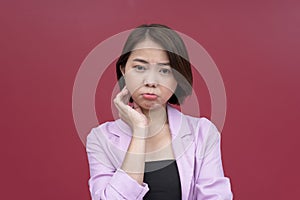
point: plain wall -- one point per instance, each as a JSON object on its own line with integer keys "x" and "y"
{"x": 255, "y": 45}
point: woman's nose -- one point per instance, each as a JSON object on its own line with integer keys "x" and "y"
{"x": 151, "y": 80}
{"x": 150, "y": 84}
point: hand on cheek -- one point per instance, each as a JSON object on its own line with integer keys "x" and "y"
{"x": 133, "y": 116}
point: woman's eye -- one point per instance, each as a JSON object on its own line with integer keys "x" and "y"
{"x": 165, "y": 71}
{"x": 139, "y": 68}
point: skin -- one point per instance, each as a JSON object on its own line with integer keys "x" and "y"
{"x": 150, "y": 83}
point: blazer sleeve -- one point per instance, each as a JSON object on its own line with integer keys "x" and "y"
{"x": 210, "y": 183}
{"x": 106, "y": 182}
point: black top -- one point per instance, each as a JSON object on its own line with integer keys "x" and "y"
{"x": 163, "y": 180}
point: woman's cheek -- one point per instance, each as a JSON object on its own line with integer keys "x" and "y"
{"x": 132, "y": 81}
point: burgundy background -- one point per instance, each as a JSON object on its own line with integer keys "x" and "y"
{"x": 255, "y": 45}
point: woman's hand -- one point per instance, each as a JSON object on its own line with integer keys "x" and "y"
{"x": 134, "y": 117}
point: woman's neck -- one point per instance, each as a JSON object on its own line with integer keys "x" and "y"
{"x": 157, "y": 118}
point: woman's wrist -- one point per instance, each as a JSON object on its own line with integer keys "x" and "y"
{"x": 140, "y": 132}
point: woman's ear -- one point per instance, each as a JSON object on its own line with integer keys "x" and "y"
{"x": 122, "y": 69}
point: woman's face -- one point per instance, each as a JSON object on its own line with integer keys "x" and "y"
{"x": 148, "y": 75}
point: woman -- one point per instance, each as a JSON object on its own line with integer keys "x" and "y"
{"x": 154, "y": 151}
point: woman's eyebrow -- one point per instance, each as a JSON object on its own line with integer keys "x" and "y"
{"x": 146, "y": 62}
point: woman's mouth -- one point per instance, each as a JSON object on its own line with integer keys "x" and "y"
{"x": 149, "y": 96}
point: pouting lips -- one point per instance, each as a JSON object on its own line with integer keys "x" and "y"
{"x": 150, "y": 96}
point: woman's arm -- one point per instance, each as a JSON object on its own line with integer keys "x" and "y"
{"x": 134, "y": 162}
{"x": 106, "y": 182}
{"x": 127, "y": 182}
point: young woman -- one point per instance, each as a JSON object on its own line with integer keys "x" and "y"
{"x": 154, "y": 151}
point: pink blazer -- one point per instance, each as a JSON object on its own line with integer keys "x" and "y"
{"x": 196, "y": 146}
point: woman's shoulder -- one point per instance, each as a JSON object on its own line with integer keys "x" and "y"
{"x": 198, "y": 125}
{"x": 203, "y": 121}
{"x": 202, "y": 124}
{"x": 203, "y": 129}
{"x": 109, "y": 129}
{"x": 205, "y": 133}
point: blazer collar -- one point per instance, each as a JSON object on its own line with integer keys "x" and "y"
{"x": 177, "y": 123}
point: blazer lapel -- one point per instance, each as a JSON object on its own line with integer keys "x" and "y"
{"x": 183, "y": 148}
{"x": 119, "y": 137}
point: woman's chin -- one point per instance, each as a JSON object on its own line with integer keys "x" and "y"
{"x": 151, "y": 106}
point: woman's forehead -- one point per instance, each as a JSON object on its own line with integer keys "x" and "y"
{"x": 149, "y": 55}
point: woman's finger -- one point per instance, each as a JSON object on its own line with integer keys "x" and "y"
{"x": 137, "y": 107}
{"x": 123, "y": 96}
{"x": 119, "y": 99}
{"x": 120, "y": 95}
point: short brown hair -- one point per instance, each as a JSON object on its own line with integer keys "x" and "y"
{"x": 175, "y": 49}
